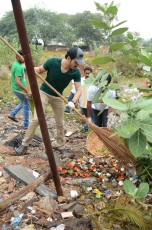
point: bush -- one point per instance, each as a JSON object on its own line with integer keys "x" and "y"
{"x": 4, "y": 72}
{"x": 128, "y": 69}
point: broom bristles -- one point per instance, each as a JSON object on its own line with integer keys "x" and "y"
{"x": 114, "y": 144}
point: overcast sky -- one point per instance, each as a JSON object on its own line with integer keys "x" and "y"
{"x": 138, "y": 13}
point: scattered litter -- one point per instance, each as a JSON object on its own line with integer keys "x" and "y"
{"x": 66, "y": 215}
{"x": 1, "y": 173}
{"x": 2, "y": 180}
{"x": 68, "y": 134}
{"x": 49, "y": 219}
{"x": 47, "y": 203}
{"x": 120, "y": 183}
{"x": 73, "y": 193}
{"x": 29, "y": 227}
{"x": 59, "y": 227}
{"x": 15, "y": 222}
{"x": 36, "y": 174}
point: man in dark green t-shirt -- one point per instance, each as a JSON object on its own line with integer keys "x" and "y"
{"x": 59, "y": 74}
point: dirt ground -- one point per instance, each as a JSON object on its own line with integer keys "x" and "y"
{"x": 35, "y": 159}
{"x": 103, "y": 174}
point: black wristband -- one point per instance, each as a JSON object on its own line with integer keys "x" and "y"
{"x": 73, "y": 102}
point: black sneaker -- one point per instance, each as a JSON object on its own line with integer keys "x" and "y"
{"x": 67, "y": 112}
{"x": 21, "y": 150}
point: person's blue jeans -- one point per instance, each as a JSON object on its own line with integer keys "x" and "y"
{"x": 70, "y": 97}
{"x": 25, "y": 105}
{"x": 84, "y": 112}
{"x": 100, "y": 120}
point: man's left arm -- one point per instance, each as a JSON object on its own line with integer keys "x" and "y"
{"x": 74, "y": 102}
{"x": 78, "y": 91}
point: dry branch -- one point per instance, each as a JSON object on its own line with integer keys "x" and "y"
{"x": 12, "y": 199}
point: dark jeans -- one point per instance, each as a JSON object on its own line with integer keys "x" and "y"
{"x": 70, "y": 97}
{"x": 84, "y": 112}
{"x": 100, "y": 120}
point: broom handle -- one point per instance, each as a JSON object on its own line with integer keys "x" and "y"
{"x": 50, "y": 86}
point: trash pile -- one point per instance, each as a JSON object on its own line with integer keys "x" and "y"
{"x": 105, "y": 169}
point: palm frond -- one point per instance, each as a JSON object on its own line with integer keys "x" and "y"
{"x": 126, "y": 212}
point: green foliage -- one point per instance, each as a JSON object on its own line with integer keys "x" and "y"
{"x": 131, "y": 117}
{"x": 119, "y": 211}
{"x": 144, "y": 166}
{"x": 80, "y": 22}
{"x": 136, "y": 193}
{"x": 44, "y": 25}
{"x": 8, "y": 57}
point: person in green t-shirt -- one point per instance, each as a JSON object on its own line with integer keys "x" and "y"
{"x": 18, "y": 83}
{"x": 59, "y": 74}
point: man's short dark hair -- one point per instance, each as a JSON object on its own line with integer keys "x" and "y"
{"x": 20, "y": 52}
{"x": 88, "y": 68}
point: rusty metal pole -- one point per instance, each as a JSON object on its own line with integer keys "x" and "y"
{"x": 18, "y": 14}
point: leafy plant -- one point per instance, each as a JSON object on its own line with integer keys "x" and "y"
{"x": 136, "y": 193}
{"x": 131, "y": 116}
{"x": 7, "y": 56}
{"x": 117, "y": 211}
{"x": 144, "y": 167}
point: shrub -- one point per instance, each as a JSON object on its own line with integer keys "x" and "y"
{"x": 4, "y": 72}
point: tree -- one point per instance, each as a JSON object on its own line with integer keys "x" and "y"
{"x": 8, "y": 26}
{"x": 83, "y": 29}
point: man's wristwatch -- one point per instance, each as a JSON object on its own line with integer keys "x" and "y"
{"x": 73, "y": 101}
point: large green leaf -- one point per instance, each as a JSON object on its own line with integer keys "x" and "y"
{"x": 130, "y": 36}
{"x": 100, "y": 74}
{"x": 129, "y": 187}
{"x": 142, "y": 191}
{"x": 120, "y": 23}
{"x": 112, "y": 10}
{"x": 140, "y": 104}
{"x": 146, "y": 125}
{"x": 100, "y": 24}
{"x": 119, "y": 31}
{"x": 97, "y": 96}
{"x": 144, "y": 53}
{"x": 137, "y": 143}
{"x": 104, "y": 77}
{"x": 142, "y": 114}
{"x": 130, "y": 126}
{"x": 122, "y": 134}
{"x": 113, "y": 86}
{"x": 145, "y": 60}
{"x": 102, "y": 83}
{"x": 102, "y": 60}
{"x": 149, "y": 136}
{"x": 101, "y": 111}
{"x": 116, "y": 46}
{"x": 115, "y": 104}
{"x": 99, "y": 7}
{"x": 150, "y": 56}
{"x": 88, "y": 82}
{"x": 133, "y": 43}
{"x": 148, "y": 108}
{"x": 134, "y": 60}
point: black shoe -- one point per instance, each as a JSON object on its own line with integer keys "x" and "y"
{"x": 84, "y": 130}
{"x": 63, "y": 152}
{"x": 67, "y": 112}
{"x": 21, "y": 150}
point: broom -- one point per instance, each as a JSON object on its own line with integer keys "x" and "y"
{"x": 114, "y": 144}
